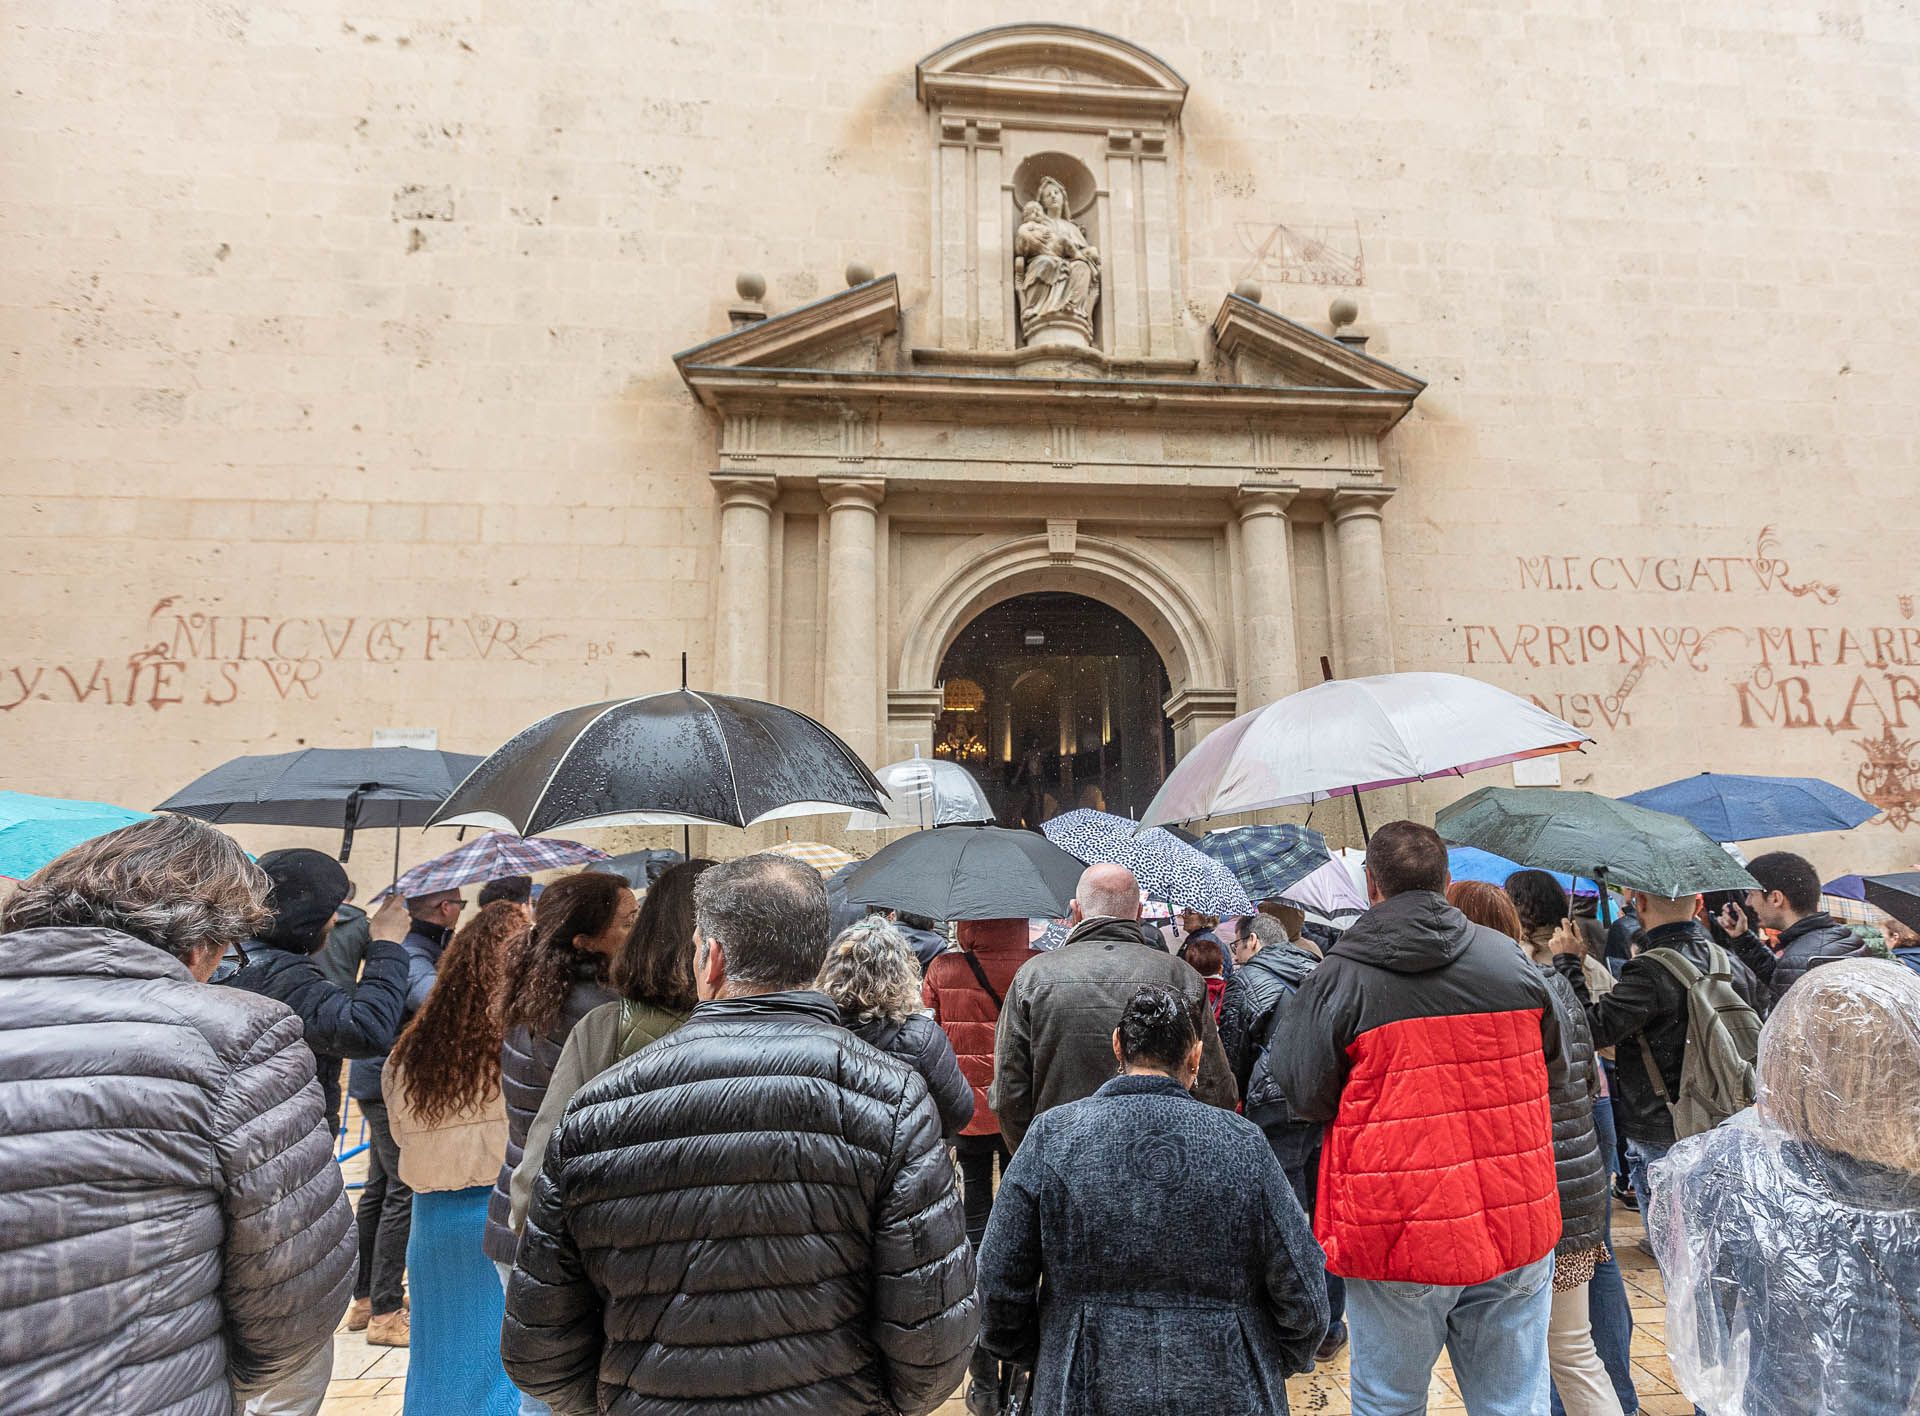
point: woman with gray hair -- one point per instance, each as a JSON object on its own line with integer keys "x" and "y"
{"x": 176, "y": 1235}
{"x": 1790, "y": 1236}
{"x": 872, "y": 974}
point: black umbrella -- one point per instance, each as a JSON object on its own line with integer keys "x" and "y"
{"x": 666, "y": 759}
{"x": 968, "y": 872}
{"x": 639, "y": 868}
{"x": 1898, "y": 895}
{"x": 345, "y": 787}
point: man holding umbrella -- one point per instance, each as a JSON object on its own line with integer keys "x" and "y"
{"x": 1788, "y": 902}
{"x": 385, "y": 1212}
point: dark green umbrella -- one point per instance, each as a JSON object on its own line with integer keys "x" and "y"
{"x": 1596, "y": 837}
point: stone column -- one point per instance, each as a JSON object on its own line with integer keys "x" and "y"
{"x": 742, "y": 648}
{"x": 1366, "y": 626}
{"x": 1266, "y": 594}
{"x": 852, "y": 700}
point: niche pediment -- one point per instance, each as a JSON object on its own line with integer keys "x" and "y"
{"x": 1051, "y": 68}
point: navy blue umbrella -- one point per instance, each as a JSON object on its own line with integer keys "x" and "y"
{"x": 1731, "y": 807}
{"x": 1898, "y": 895}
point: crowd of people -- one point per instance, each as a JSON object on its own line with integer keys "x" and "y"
{"x": 696, "y": 1151}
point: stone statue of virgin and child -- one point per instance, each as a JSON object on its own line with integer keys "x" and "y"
{"x": 1056, "y": 270}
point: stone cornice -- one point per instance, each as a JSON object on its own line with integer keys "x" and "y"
{"x": 1243, "y": 327}
{"x": 858, "y": 313}
{"x": 763, "y": 386}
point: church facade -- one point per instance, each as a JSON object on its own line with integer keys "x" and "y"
{"x": 1041, "y": 394}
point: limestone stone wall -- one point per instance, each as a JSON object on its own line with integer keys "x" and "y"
{"x": 338, "y": 395}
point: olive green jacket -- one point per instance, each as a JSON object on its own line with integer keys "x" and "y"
{"x": 606, "y": 1035}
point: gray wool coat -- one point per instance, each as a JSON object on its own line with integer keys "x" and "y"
{"x": 1146, "y": 1255}
{"x": 173, "y": 1233}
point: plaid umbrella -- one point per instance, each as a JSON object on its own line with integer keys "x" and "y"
{"x": 1167, "y": 868}
{"x": 493, "y": 855}
{"x": 826, "y": 859}
{"x": 1267, "y": 859}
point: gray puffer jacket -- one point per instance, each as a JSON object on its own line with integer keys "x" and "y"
{"x": 1580, "y": 1172}
{"x": 172, "y": 1228}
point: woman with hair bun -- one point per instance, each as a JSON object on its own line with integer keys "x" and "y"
{"x": 1146, "y": 1254}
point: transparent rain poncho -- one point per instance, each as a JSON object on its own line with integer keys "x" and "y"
{"x": 1789, "y": 1238}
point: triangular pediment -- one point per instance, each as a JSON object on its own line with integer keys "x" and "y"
{"x": 1290, "y": 355}
{"x": 837, "y": 332}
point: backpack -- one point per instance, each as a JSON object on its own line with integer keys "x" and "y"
{"x": 1723, "y": 1042}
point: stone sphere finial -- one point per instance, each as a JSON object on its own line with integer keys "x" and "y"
{"x": 1343, "y": 311}
{"x": 750, "y": 285}
{"x": 858, "y": 273}
{"x": 1248, "y": 290}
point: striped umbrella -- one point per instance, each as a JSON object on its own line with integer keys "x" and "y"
{"x": 1167, "y": 868}
{"x": 1267, "y": 859}
{"x": 493, "y": 855}
{"x": 824, "y": 858}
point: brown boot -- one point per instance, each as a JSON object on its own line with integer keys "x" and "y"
{"x": 358, "y": 1314}
{"x": 388, "y": 1329}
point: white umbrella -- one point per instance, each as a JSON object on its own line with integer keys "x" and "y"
{"x": 1355, "y": 735}
{"x": 923, "y": 791}
{"x": 1329, "y": 891}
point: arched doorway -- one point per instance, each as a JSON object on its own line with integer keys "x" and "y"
{"x": 1053, "y": 701}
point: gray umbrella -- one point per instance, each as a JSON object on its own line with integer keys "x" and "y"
{"x": 967, "y": 872}
{"x": 347, "y": 788}
{"x": 1594, "y": 837}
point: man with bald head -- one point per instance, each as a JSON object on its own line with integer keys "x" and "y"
{"x": 1055, "y": 1040}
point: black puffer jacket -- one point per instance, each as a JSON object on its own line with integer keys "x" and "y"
{"x": 1817, "y": 939}
{"x": 923, "y": 1045}
{"x": 339, "y": 1023}
{"x": 526, "y": 1069}
{"x": 1648, "y": 1000}
{"x": 1253, "y": 992}
{"x": 1578, "y": 1169}
{"x": 752, "y": 1216}
{"x": 1293, "y": 1141}
{"x": 172, "y": 1228}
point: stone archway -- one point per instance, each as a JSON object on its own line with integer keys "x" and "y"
{"x": 1106, "y": 569}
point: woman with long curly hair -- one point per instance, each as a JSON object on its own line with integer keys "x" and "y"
{"x": 556, "y": 974}
{"x": 442, "y": 1086}
{"x": 872, "y": 973}
{"x": 653, "y": 973}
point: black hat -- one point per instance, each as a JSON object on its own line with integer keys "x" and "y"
{"x": 308, "y": 886}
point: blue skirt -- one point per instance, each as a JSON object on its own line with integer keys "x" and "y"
{"x": 453, "y": 1362}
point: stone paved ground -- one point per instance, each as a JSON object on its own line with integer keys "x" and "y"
{"x": 371, "y": 1381}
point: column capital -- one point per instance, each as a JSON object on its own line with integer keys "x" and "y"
{"x": 757, "y": 489}
{"x": 847, "y": 491}
{"x": 1253, "y": 499}
{"x": 1349, "y": 502}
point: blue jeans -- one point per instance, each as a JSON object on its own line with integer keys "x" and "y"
{"x": 1305, "y": 1180}
{"x": 1607, "y": 1295}
{"x": 1641, "y": 1154}
{"x": 1495, "y": 1332}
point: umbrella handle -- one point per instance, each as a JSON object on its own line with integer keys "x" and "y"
{"x": 351, "y": 822}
